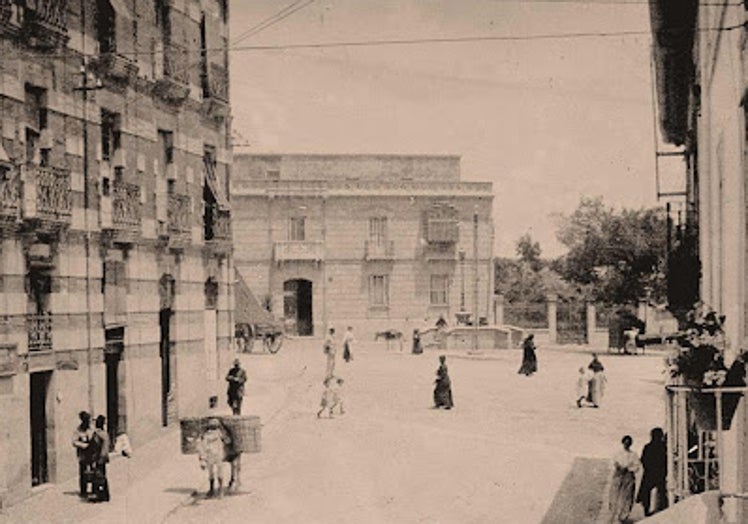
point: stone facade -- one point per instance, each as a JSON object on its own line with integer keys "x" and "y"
{"x": 386, "y": 241}
{"x": 115, "y": 258}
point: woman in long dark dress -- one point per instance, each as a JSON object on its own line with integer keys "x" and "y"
{"x": 443, "y": 387}
{"x": 529, "y": 360}
{"x": 417, "y": 348}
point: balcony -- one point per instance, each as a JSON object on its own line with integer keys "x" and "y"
{"x": 123, "y": 221}
{"x": 47, "y": 196}
{"x": 115, "y": 67}
{"x": 178, "y": 220}
{"x": 10, "y": 195}
{"x": 218, "y": 233}
{"x": 174, "y": 85}
{"x": 298, "y": 251}
{"x": 9, "y": 18}
{"x": 216, "y": 92}
{"x": 39, "y": 329}
{"x": 44, "y": 23}
{"x": 379, "y": 250}
{"x": 440, "y": 251}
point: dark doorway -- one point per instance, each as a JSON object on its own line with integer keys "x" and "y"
{"x": 113, "y": 350}
{"x": 297, "y": 306}
{"x": 39, "y": 391}
{"x": 165, "y": 353}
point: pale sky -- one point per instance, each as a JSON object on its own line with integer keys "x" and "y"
{"x": 547, "y": 121}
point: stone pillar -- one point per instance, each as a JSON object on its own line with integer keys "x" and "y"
{"x": 551, "y": 302}
{"x": 591, "y": 322}
{"x": 498, "y": 309}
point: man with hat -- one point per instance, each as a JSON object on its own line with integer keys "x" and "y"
{"x": 236, "y": 378}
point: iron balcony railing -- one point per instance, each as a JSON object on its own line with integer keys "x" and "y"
{"x": 39, "y": 329}
{"x": 176, "y": 66}
{"x": 178, "y": 214}
{"x": 299, "y": 250}
{"x": 217, "y": 83}
{"x": 47, "y": 193}
{"x": 10, "y": 194}
{"x": 126, "y": 206}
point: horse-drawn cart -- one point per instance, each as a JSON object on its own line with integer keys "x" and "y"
{"x": 253, "y": 323}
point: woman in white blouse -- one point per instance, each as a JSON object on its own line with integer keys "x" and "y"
{"x": 626, "y": 465}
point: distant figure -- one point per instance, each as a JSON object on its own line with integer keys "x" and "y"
{"x": 348, "y": 344}
{"x": 236, "y": 378}
{"x": 211, "y": 451}
{"x": 529, "y": 360}
{"x": 329, "y": 351}
{"x": 654, "y": 462}
{"x": 81, "y": 441}
{"x": 441, "y": 323}
{"x": 597, "y": 382}
{"x": 122, "y": 445}
{"x": 332, "y": 396}
{"x": 626, "y": 464}
{"x": 443, "y": 386}
{"x": 417, "y": 348}
{"x": 100, "y": 457}
{"x": 583, "y": 384}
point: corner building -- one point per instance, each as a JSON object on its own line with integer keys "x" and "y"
{"x": 374, "y": 242}
{"x": 115, "y": 255}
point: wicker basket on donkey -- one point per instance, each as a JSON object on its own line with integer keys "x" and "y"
{"x": 244, "y": 430}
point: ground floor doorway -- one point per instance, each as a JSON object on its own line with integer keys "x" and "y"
{"x": 114, "y": 349}
{"x": 297, "y": 306}
{"x": 168, "y": 401}
{"x": 39, "y": 390}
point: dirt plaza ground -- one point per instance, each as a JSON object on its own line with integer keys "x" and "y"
{"x": 515, "y": 449}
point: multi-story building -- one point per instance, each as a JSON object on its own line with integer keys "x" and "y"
{"x": 701, "y": 62}
{"x": 115, "y": 258}
{"x": 372, "y": 241}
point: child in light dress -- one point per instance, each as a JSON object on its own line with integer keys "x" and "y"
{"x": 583, "y": 384}
{"x": 332, "y": 396}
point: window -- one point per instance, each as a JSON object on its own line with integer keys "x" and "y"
{"x": 110, "y": 134}
{"x": 105, "y": 27}
{"x": 296, "y": 228}
{"x": 379, "y": 293}
{"x": 378, "y": 231}
{"x": 166, "y": 139}
{"x": 439, "y": 290}
{"x": 36, "y": 121}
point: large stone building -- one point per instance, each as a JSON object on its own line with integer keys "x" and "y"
{"x": 701, "y": 63}
{"x": 115, "y": 258}
{"x": 372, "y": 241}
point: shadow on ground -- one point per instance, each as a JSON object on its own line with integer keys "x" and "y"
{"x": 579, "y": 500}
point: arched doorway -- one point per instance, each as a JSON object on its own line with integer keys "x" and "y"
{"x": 297, "y": 306}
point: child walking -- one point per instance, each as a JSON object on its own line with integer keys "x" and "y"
{"x": 332, "y": 396}
{"x": 583, "y": 384}
{"x": 212, "y": 451}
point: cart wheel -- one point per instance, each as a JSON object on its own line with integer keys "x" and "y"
{"x": 273, "y": 343}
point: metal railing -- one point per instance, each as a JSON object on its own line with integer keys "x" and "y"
{"x": 379, "y": 250}
{"x": 218, "y": 82}
{"x": 39, "y": 329}
{"x": 299, "y": 250}
{"x": 178, "y": 214}
{"x": 52, "y": 187}
{"x": 126, "y": 205}
{"x": 176, "y": 62}
{"x": 10, "y": 193}
{"x": 51, "y": 13}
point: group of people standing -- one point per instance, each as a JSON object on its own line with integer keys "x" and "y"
{"x": 591, "y": 384}
{"x": 92, "y": 449}
{"x": 626, "y": 465}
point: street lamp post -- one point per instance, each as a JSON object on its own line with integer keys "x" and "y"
{"x": 476, "y": 318}
{"x": 462, "y": 277}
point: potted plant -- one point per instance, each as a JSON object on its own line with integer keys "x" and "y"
{"x": 699, "y": 363}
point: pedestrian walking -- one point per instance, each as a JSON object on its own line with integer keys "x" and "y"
{"x": 329, "y": 351}
{"x": 332, "y": 396}
{"x": 211, "y": 450}
{"x": 654, "y": 463}
{"x": 236, "y": 378}
{"x": 626, "y": 465}
{"x": 81, "y": 442}
{"x": 529, "y": 360}
{"x": 597, "y": 383}
{"x": 348, "y": 344}
{"x": 583, "y": 385}
{"x": 443, "y": 386}
{"x": 417, "y": 348}
{"x": 100, "y": 444}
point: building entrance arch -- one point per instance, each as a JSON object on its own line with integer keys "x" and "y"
{"x": 297, "y": 306}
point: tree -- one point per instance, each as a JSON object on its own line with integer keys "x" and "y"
{"x": 619, "y": 256}
{"x": 529, "y": 252}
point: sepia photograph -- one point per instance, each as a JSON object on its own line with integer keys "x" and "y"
{"x": 373, "y": 261}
